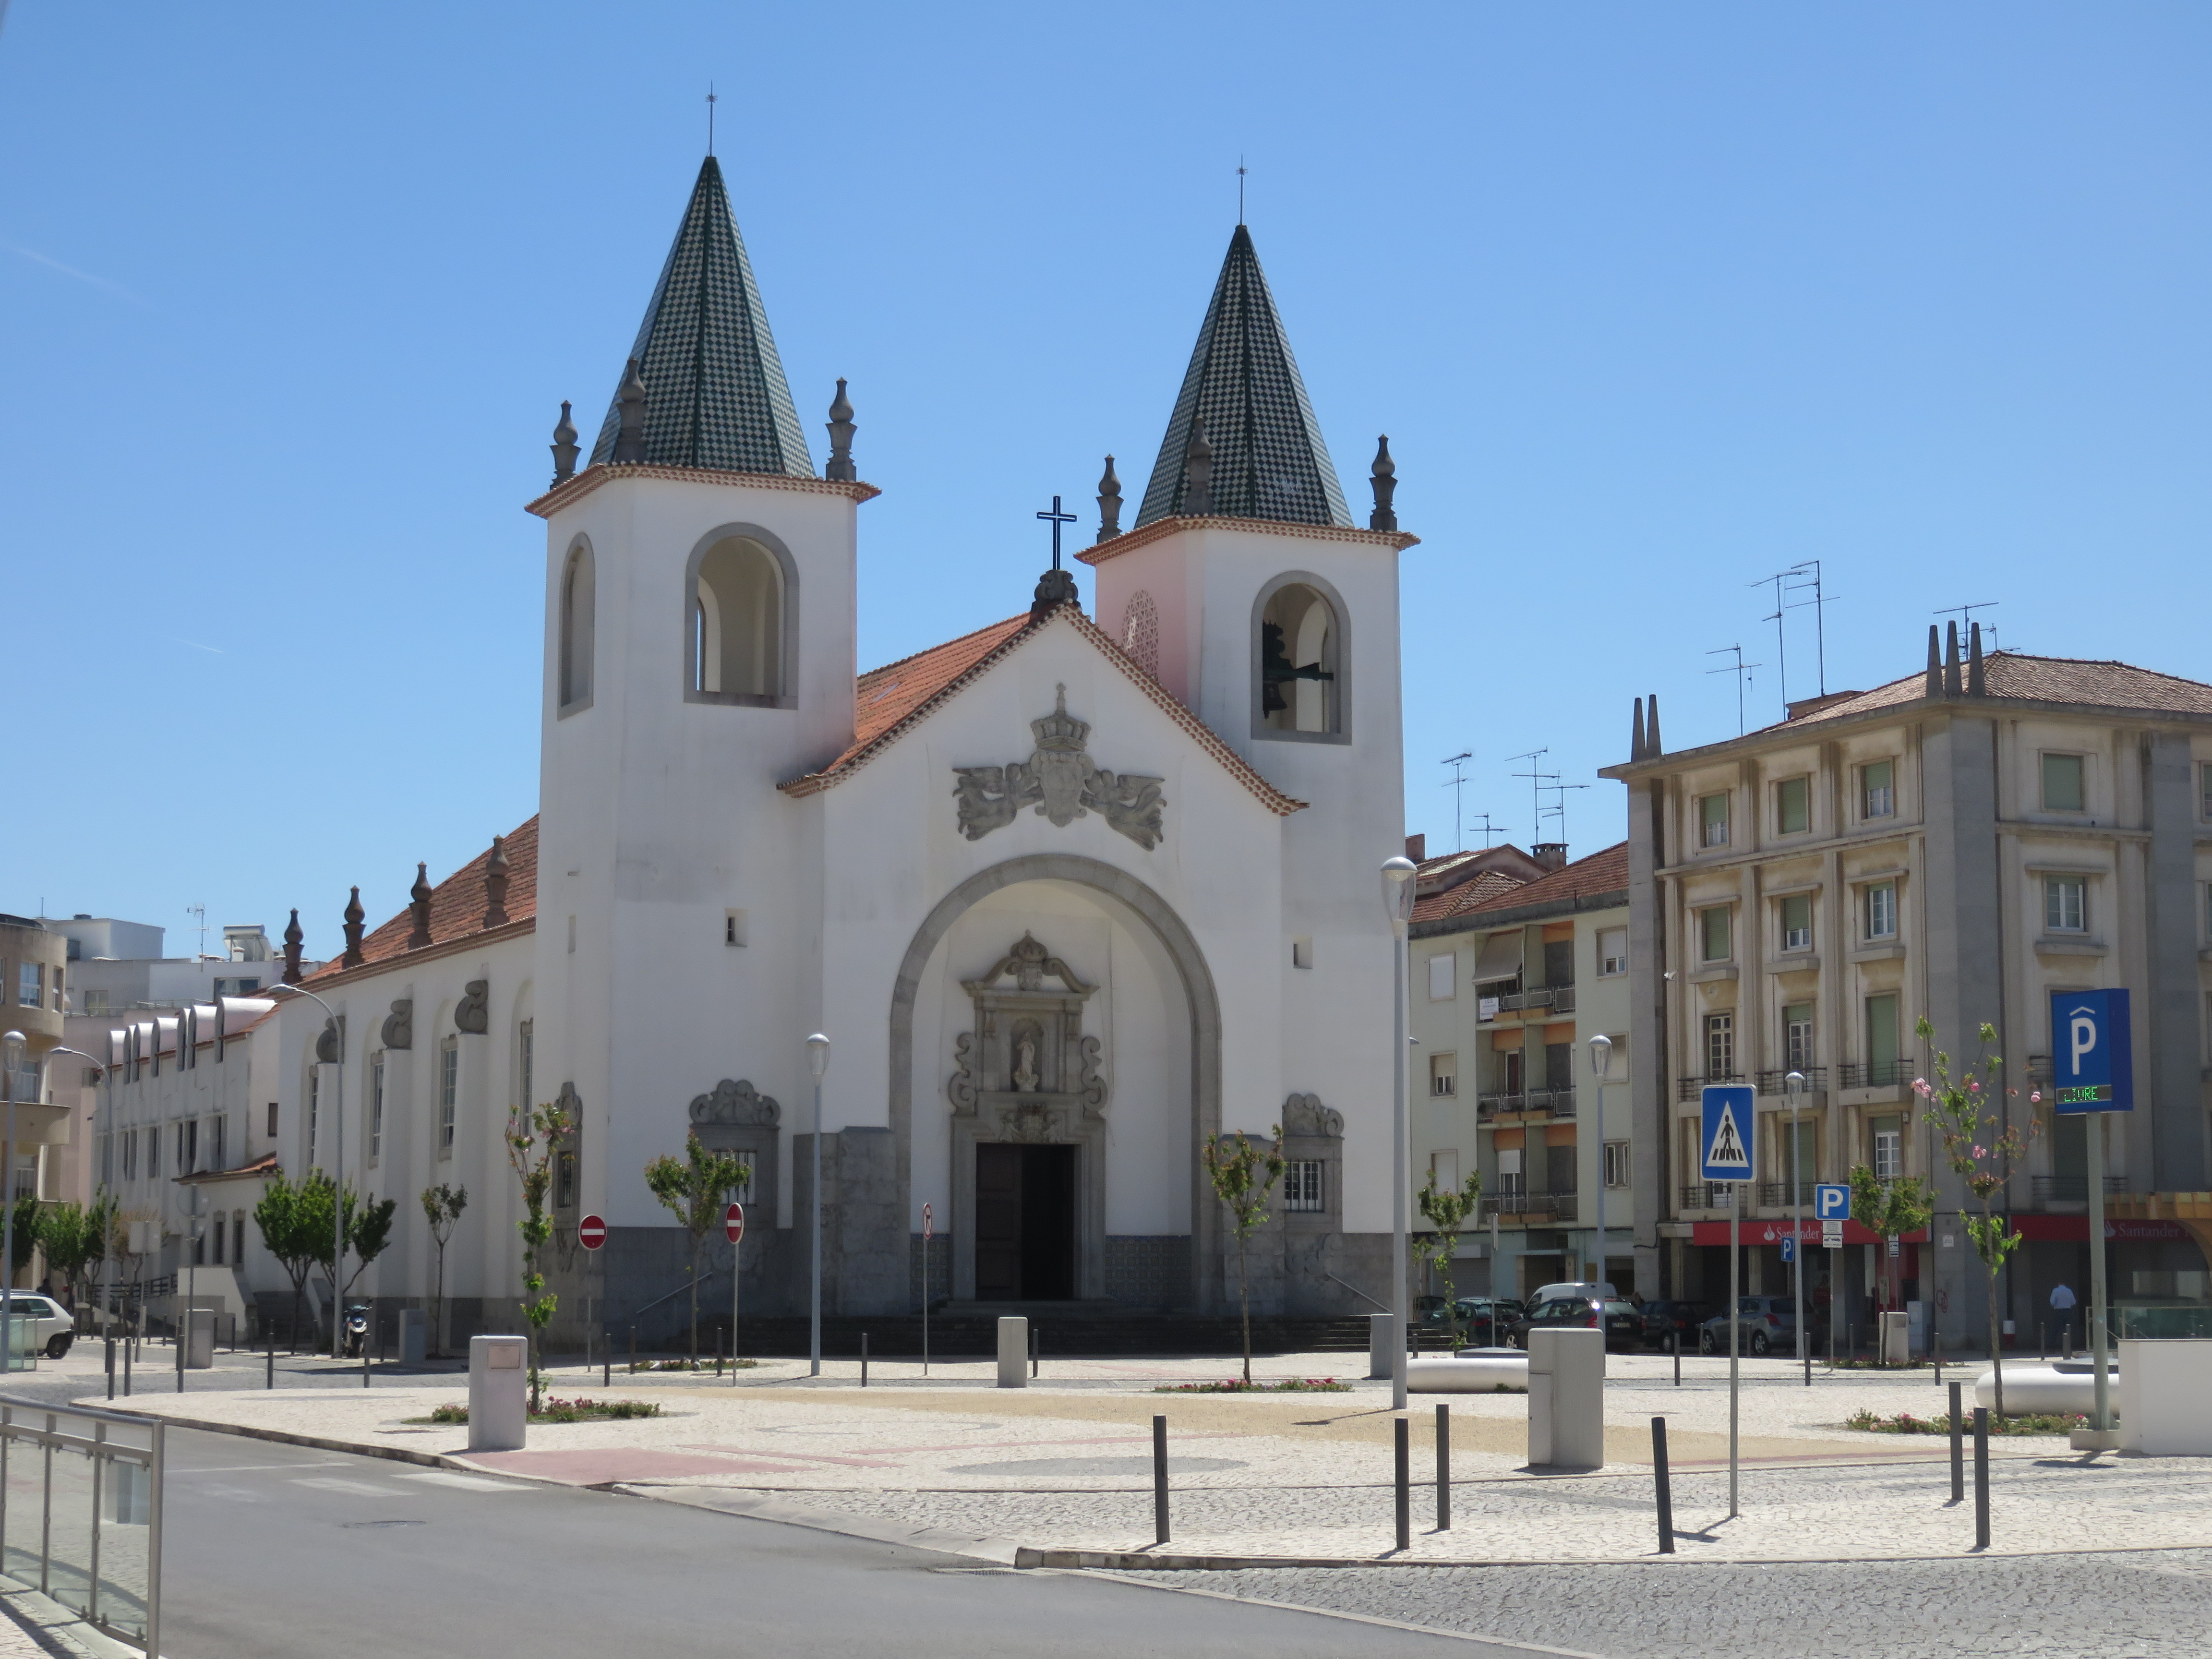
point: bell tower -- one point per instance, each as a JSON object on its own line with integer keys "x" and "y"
{"x": 698, "y": 651}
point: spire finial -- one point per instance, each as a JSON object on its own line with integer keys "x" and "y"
{"x": 1055, "y": 518}
{"x": 293, "y": 939}
{"x": 711, "y": 101}
{"x": 354, "y": 915}
{"x": 1109, "y": 503}
{"x": 840, "y": 468}
{"x": 496, "y": 885}
{"x": 1197, "y": 472}
{"x": 1240, "y": 189}
{"x": 630, "y": 436}
{"x": 1385, "y": 480}
{"x": 419, "y": 902}
{"x": 564, "y": 447}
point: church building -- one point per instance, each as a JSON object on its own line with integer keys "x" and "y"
{"x": 1067, "y": 895}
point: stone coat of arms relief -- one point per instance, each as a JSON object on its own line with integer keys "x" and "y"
{"x": 1060, "y": 781}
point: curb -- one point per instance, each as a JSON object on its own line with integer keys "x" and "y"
{"x": 321, "y": 1443}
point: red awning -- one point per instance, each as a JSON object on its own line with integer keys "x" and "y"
{"x": 1773, "y": 1232}
{"x": 2074, "y": 1230}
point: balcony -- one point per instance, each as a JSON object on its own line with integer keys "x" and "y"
{"x": 1706, "y": 1195}
{"x": 1777, "y": 1083}
{"x": 1558, "y": 1206}
{"x": 2038, "y": 1068}
{"x": 1690, "y": 1090}
{"x": 1880, "y": 1074}
{"x": 2071, "y": 1189}
{"x": 1487, "y": 1107}
{"x": 1540, "y": 997}
{"x": 1775, "y": 1194}
{"x": 1559, "y": 1103}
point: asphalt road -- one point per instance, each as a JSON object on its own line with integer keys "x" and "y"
{"x": 281, "y": 1552}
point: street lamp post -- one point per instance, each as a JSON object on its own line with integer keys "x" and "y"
{"x": 1398, "y": 902}
{"x": 1795, "y": 1083}
{"x": 337, "y": 1158}
{"x": 11, "y": 1064}
{"x": 817, "y": 1062}
{"x": 1601, "y": 1050}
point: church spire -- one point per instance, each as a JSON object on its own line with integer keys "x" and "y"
{"x": 1269, "y": 461}
{"x": 715, "y": 395}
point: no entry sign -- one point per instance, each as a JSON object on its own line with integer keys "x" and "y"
{"x": 591, "y": 1231}
{"x": 734, "y": 1222}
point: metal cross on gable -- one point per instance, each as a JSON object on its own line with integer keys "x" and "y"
{"x": 1056, "y": 517}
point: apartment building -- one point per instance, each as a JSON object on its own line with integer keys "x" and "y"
{"x": 1957, "y": 844}
{"x": 1518, "y": 960}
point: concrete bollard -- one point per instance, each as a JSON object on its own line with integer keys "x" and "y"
{"x": 1381, "y": 1344}
{"x": 199, "y": 1339}
{"x": 1566, "y": 1398}
{"x": 1013, "y": 1351}
{"x": 414, "y": 1336}
{"x": 499, "y": 1392}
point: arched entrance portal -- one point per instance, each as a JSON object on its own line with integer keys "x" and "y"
{"x": 1055, "y": 1061}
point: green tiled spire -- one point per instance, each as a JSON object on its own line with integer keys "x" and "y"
{"x": 715, "y": 395}
{"x": 1269, "y": 461}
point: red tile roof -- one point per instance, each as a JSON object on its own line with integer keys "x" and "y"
{"x": 1605, "y": 871}
{"x": 457, "y": 908}
{"x": 891, "y": 702}
{"x": 1467, "y": 896}
{"x": 2011, "y": 674}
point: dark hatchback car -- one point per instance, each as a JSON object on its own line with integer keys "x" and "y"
{"x": 1624, "y": 1327}
{"x": 1662, "y": 1319}
{"x": 1485, "y": 1320}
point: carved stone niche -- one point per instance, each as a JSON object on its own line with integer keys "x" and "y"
{"x": 735, "y": 1117}
{"x": 1026, "y": 1074}
{"x": 1314, "y": 1134}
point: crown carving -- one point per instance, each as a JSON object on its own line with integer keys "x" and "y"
{"x": 1060, "y": 731}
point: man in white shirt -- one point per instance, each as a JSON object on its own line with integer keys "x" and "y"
{"x": 2062, "y": 1305}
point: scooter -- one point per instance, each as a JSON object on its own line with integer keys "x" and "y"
{"x": 356, "y": 1330}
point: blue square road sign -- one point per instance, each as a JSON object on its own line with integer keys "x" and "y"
{"x": 1729, "y": 1125}
{"x": 2092, "y": 1052}
{"x": 1831, "y": 1201}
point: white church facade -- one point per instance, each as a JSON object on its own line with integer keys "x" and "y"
{"x": 1067, "y": 895}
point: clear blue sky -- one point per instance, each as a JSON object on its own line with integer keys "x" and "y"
{"x": 1652, "y": 300}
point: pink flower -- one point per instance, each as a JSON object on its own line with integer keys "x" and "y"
{"x": 1973, "y": 1086}
{"x": 2035, "y": 1097}
{"x": 1920, "y": 1087}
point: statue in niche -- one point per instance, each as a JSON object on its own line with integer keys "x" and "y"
{"x": 1025, "y": 1057}
{"x": 1027, "y": 1070}
{"x": 1061, "y": 782}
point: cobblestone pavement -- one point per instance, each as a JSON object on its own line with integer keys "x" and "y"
{"x": 2154, "y": 1605}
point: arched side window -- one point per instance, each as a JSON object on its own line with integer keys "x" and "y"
{"x": 1141, "y": 633}
{"x": 739, "y": 620}
{"x": 579, "y": 611}
{"x": 1300, "y": 656}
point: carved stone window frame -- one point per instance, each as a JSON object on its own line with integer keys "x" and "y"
{"x": 735, "y": 1117}
{"x": 1313, "y": 1132}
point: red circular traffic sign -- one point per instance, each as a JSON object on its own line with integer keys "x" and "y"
{"x": 929, "y": 1223}
{"x": 734, "y": 1222}
{"x": 591, "y": 1231}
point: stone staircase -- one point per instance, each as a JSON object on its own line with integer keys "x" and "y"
{"x": 1073, "y": 1335}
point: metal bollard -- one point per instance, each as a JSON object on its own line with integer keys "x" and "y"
{"x": 606, "y": 1358}
{"x": 1958, "y": 1447}
{"x": 864, "y": 1360}
{"x": 1981, "y": 1477}
{"x": 1443, "y": 1467}
{"x": 1036, "y": 1332}
{"x": 126, "y": 1368}
{"x": 1674, "y": 1341}
{"x": 271, "y": 1382}
{"x": 111, "y": 1364}
{"x": 1160, "y": 1479}
{"x": 364, "y": 1359}
{"x": 632, "y": 1350}
{"x": 1850, "y": 1342}
{"x": 1402, "y": 1438}
{"x": 1663, "y": 1486}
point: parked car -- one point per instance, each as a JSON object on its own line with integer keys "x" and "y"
{"x": 53, "y": 1327}
{"x": 1581, "y": 1287}
{"x": 1488, "y": 1319}
{"x": 1624, "y": 1327}
{"x": 1681, "y": 1319}
{"x": 1768, "y": 1322}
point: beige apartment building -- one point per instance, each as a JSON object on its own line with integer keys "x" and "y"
{"x": 1957, "y": 845}
{"x": 1518, "y": 960}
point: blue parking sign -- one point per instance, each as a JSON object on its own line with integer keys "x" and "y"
{"x": 2092, "y": 1052}
{"x": 1729, "y": 1124}
{"x": 1831, "y": 1201}
{"x": 1789, "y": 1249}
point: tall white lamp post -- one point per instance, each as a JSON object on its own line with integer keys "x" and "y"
{"x": 1398, "y": 902}
{"x": 337, "y": 1158}
{"x": 1600, "y": 1050}
{"x": 817, "y": 1062}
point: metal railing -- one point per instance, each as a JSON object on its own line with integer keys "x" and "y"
{"x": 1706, "y": 1195}
{"x": 1560, "y": 1205}
{"x": 1537, "y": 997}
{"x": 81, "y": 1513}
{"x": 2070, "y": 1188}
{"x": 1559, "y": 1103}
{"x": 1775, "y": 1193}
{"x": 1877, "y": 1074}
{"x": 1487, "y": 1107}
{"x": 1777, "y": 1082}
{"x": 1688, "y": 1089}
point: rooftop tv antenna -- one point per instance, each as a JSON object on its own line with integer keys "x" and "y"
{"x": 1537, "y": 779}
{"x": 1559, "y": 808}
{"x": 200, "y": 910}
{"x": 1489, "y": 829}
{"x": 1458, "y": 764}
{"x": 1741, "y": 669}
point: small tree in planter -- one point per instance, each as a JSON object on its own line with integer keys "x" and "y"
{"x": 533, "y": 1138}
{"x": 695, "y": 1187}
{"x": 1243, "y": 1176}
{"x": 1447, "y": 1211}
{"x": 1985, "y": 1153}
{"x": 441, "y": 1207}
{"x": 1889, "y": 1208}
{"x": 295, "y": 1223}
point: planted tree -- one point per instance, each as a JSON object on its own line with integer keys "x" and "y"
{"x": 533, "y": 1140}
{"x": 1243, "y": 1176}
{"x": 1889, "y": 1208}
{"x": 1985, "y": 1153}
{"x": 367, "y": 1231}
{"x": 442, "y": 1206}
{"x": 1447, "y": 1211}
{"x": 26, "y": 1236}
{"x": 695, "y": 1187}
{"x": 75, "y": 1237}
{"x": 295, "y": 1221}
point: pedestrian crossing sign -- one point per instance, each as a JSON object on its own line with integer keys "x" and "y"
{"x": 1729, "y": 1125}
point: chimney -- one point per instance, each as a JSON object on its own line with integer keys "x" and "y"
{"x": 1417, "y": 847}
{"x": 1652, "y": 748}
{"x": 1935, "y": 686}
{"x": 1636, "y": 735}
{"x": 1977, "y": 686}
{"x": 1552, "y": 855}
{"x": 1953, "y": 685}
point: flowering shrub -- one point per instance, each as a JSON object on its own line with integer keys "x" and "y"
{"x": 2024, "y": 1423}
{"x": 1237, "y": 1385}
